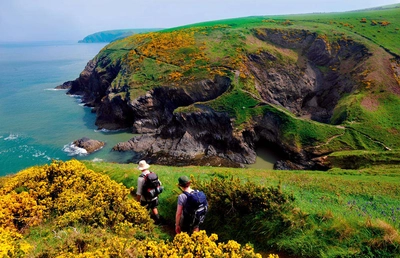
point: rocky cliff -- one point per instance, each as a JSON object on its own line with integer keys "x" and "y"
{"x": 179, "y": 124}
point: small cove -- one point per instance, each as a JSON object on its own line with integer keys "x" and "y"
{"x": 267, "y": 155}
{"x": 37, "y": 123}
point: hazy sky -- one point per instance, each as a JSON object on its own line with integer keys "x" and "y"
{"x": 32, "y": 20}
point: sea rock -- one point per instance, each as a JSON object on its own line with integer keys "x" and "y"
{"x": 65, "y": 86}
{"x": 89, "y": 145}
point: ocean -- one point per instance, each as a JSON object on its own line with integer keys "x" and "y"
{"x": 37, "y": 122}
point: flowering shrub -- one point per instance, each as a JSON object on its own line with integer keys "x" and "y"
{"x": 183, "y": 245}
{"x": 72, "y": 193}
{"x": 11, "y": 245}
{"x": 181, "y": 56}
{"x": 18, "y": 211}
{"x": 89, "y": 215}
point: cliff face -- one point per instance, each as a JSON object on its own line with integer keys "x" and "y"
{"x": 322, "y": 75}
{"x": 95, "y": 80}
{"x": 311, "y": 88}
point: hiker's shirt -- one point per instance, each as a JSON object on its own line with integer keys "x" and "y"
{"x": 140, "y": 183}
{"x": 182, "y": 199}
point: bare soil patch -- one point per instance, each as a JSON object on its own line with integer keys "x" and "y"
{"x": 370, "y": 104}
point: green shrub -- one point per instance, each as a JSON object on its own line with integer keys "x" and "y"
{"x": 245, "y": 210}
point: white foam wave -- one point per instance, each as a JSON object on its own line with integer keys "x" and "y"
{"x": 11, "y": 137}
{"x": 38, "y": 154}
{"x": 97, "y": 160}
{"x": 74, "y": 96}
{"x": 72, "y": 150}
{"x": 108, "y": 131}
{"x": 54, "y": 89}
{"x": 102, "y": 131}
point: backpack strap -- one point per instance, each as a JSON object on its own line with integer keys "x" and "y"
{"x": 186, "y": 193}
{"x": 145, "y": 176}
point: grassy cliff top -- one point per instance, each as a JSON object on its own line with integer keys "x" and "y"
{"x": 177, "y": 57}
{"x": 380, "y": 25}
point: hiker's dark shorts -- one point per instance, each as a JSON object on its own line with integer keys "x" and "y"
{"x": 151, "y": 204}
{"x": 189, "y": 223}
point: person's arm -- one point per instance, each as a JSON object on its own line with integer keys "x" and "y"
{"x": 139, "y": 188}
{"x": 178, "y": 215}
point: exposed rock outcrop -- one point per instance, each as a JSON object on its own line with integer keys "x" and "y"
{"x": 65, "y": 86}
{"x": 89, "y": 145}
{"x": 193, "y": 137}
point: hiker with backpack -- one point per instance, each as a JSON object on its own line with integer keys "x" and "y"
{"x": 191, "y": 209}
{"x": 148, "y": 189}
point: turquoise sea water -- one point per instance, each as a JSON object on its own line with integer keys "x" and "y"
{"x": 38, "y": 123}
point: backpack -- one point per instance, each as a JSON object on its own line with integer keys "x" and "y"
{"x": 196, "y": 205}
{"x": 152, "y": 186}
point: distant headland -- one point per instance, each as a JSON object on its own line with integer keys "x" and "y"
{"x": 111, "y": 35}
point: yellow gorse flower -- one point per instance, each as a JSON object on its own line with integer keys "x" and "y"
{"x": 72, "y": 192}
{"x": 75, "y": 195}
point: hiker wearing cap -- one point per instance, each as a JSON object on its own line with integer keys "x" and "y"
{"x": 144, "y": 199}
{"x": 191, "y": 209}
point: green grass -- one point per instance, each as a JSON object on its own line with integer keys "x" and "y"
{"x": 314, "y": 190}
{"x": 378, "y": 122}
{"x": 344, "y": 23}
{"x": 237, "y": 104}
{"x": 337, "y": 204}
{"x": 361, "y": 158}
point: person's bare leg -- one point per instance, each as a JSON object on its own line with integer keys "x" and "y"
{"x": 156, "y": 215}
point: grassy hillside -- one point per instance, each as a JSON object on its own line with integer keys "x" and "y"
{"x": 341, "y": 210}
{"x": 367, "y": 117}
{"x": 380, "y": 25}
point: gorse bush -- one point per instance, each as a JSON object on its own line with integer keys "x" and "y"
{"x": 72, "y": 194}
{"x": 11, "y": 245}
{"x": 18, "y": 211}
{"x": 66, "y": 210}
{"x": 183, "y": 245}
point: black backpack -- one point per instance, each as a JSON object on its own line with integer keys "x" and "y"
{"x": 151, "y": 187}
{"x": 196, "y": 205}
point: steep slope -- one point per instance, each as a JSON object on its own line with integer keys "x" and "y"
{"x": 208, "y": 93}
